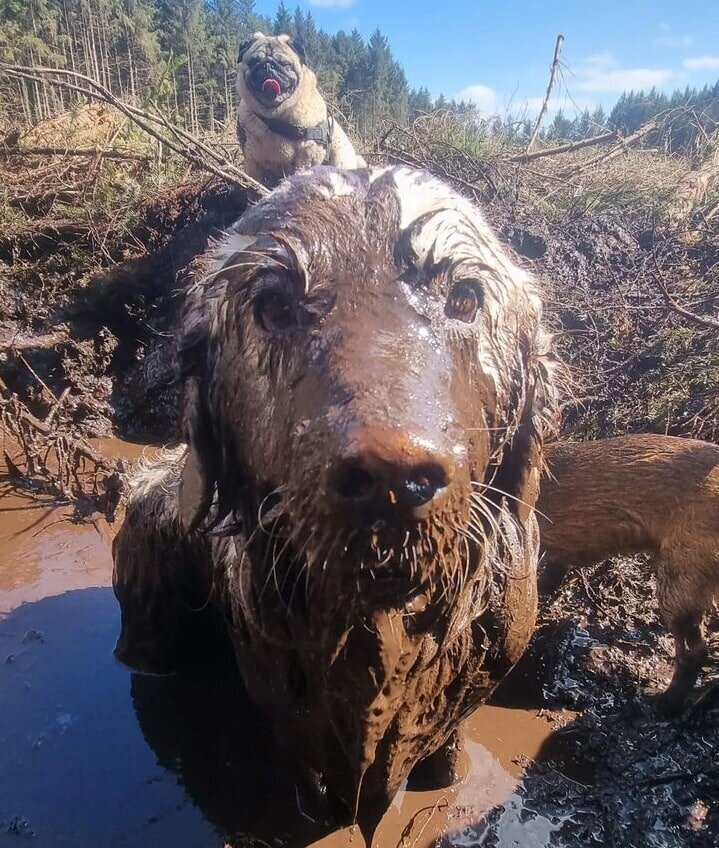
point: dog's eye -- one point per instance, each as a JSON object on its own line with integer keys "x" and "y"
{"x": 274, "y": 312}
{"x": 463, "y": 302}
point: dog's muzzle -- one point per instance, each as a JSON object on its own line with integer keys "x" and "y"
{"x": 270, "y": 82}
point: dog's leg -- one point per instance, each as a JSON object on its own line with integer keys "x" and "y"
{"x": 690, "y": 654}
{"x": 684, "y": 597}
{"x": 551, "y": 576}
{"x": 442, "y": 768}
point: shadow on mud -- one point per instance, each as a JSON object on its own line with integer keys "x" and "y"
{"x": 75, "y": 767}
{"x": 91, "y": 754}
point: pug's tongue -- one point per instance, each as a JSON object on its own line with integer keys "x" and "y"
{"x": 271, "y": 86}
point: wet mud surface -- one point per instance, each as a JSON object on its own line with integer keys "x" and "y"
{"x": 570, "y": 753}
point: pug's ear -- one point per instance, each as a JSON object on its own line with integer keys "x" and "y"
{"x": 299, "y": 49}
{"x": 245, "y": 46}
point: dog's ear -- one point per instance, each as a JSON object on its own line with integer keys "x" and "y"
{"x": 522, "y": 461}
{"x": 299, "y": 49}
{"x": 245, "y": 46}
{"x": 200, "y": 472}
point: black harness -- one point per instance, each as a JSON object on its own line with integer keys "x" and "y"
{"x": 322, "y": 133}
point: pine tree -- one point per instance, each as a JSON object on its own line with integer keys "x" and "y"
{"x": 283, "y": 23}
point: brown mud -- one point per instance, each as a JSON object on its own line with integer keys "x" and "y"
{"x": 93, "y": 754}
{"x": 570, "y": 753}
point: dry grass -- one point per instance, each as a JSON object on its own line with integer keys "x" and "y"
{"x": 602, "y": 178}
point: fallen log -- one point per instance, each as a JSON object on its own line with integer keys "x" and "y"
{"x": 19, "y": 342}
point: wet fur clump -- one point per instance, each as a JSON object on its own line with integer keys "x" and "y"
{"x": 641, "y": 493}
{"x": 367, "y": 384}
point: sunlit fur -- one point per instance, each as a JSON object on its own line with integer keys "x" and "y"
{"x": 641, "y": 493}
{"x": 270, "y": 156}
{"x": 298, "y": 583}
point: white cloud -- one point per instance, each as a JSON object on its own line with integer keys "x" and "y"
{"x": 702, "y": 63}
{"x": 600, "y": 73}
{"x": 484, "y": 97}
{"x": 683, "y": 42}
{"x": 333, "y": 4}
{"x": 670, "y": 38}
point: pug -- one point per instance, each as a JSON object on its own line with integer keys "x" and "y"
{"x": 283, "y": 124}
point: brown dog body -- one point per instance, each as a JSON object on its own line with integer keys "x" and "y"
{"x": 366, "y": 385}
{"x": 641, "y": 493}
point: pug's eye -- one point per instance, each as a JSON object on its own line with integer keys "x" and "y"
{"x": 274, "y": 312}
{"x": 463, "y": 302}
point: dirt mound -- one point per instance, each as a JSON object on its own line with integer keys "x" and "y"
{"x": 90, "y": 125}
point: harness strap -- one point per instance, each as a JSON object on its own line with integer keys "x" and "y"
{"x": 322, "y": 133}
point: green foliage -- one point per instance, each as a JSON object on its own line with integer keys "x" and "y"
{"x": 182, "y": 54}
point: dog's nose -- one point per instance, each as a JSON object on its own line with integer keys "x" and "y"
{"x": 388, "y": 469}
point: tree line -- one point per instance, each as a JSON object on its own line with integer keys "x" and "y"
{"x": 180, "y": 56}
{"x": 693, "y": 113}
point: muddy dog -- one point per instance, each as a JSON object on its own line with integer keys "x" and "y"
{"x": 367, "y": 383}
{"x": 283, "y": 124}
{"x": 658, "y": 494}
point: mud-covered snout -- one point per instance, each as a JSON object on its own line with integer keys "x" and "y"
{"x": 384, "y": 472}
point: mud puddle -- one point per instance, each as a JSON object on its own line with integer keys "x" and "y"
{"x": 92, "y": 754}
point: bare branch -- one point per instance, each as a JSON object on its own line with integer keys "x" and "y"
{"x": 570, "y": 147}
{"x": 623, "y": 143}
{"x": 550, "y": 86}
{"x": 181, "y": 142}
{"x": 78, "y": 151}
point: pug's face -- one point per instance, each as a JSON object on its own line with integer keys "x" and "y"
{"x": 271, "y": 68}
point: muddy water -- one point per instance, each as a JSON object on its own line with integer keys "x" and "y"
{"x": 92, "y": 754}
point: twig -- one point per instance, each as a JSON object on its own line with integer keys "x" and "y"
{"x": 675, "y": 306}
{"x": 550, "y": 86}
{"x": 404, "y": 840}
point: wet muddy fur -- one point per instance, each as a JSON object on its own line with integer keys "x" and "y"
{"x": 657, "y": 494}
{"x": 366, "y": 388}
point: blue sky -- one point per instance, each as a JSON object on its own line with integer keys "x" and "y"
{"x": 498, "y": 53}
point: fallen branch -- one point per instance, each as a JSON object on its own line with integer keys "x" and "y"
{"x": 550, "y": 86}
{"x": 181, "y": 142}
{"x": 95, "y": 152}
{"x": 623, "y": 143}
{"x": 570, "y": 147}
{"x": 53, "y": 461}
{"x": 18, "y": 343}
{"x": 675, "y": 306}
